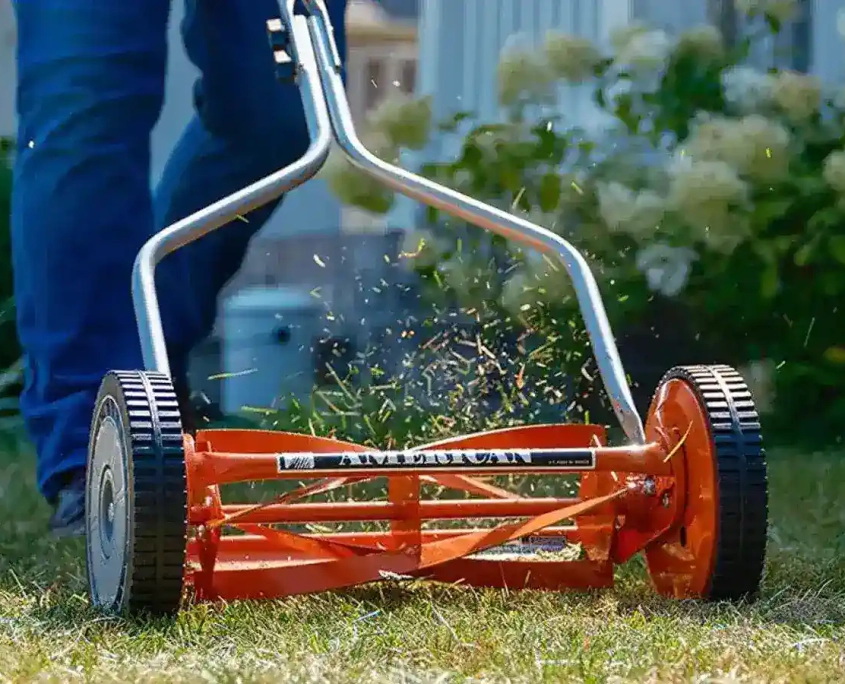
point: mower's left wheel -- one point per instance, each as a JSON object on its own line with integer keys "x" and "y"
{"x": 136, "y": 496}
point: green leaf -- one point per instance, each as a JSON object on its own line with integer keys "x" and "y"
{"x": 824, "y": 220}
{"x": 549, "y": 192}
{"x": 769, "y": 281}
{"x": 625, "y": 112}
{"x": 773, "y": 23}
{"x": 836, "y": 244}
{"x": 377, "y": 202}
{"x": 550, "y": 146}
{"x": 771, "y": 209}
{"x": 451, "y": 124}
{"x": 805, "y": 253}
{"x": 600, "y": 69}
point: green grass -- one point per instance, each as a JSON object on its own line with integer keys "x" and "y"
{"x": 433, "y": 633}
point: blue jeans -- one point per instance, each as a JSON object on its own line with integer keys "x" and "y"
{"x": 91, "y": 77}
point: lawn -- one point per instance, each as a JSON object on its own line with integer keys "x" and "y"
{"x": 432, "y": 633}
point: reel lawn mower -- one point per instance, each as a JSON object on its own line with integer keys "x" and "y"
{"x": 688, "y": 489}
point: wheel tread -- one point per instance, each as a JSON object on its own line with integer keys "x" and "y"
{"x": 742, "y": 518}
{"x": 158, "y": 477}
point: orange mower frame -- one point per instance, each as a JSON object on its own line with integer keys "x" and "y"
{"x": 688, "y": 489}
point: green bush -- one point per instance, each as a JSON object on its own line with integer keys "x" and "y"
{"x": 711, "y": 187}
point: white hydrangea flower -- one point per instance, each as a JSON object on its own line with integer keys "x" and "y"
{"x": 748, "y": 89}
{"x": 798, "y": 95}
{"x": 646, "y": 50}
{"x": 703, "y": 41}
{"x": 725, "y": 237}
{"x": 834, "y": 171}
{"x": 524, "y": 75}
{"x": 403, "y": 120}
{"x": 765, "y": 154}
{"x": 757, "y": 147}
{"x": 666, "y": 268}
{"x": 571, "y": 58}
{"x": 649, "y": 209}
{"x": 622, "y": 35}
{"x": 623, "y": 210}
{"x": 780, "y": 10}
{"x": 352, "y": 186}
{"x": 704, "y": 192}
{"x": 615, "y": 202}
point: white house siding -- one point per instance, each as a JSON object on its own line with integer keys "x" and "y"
{"x": 670, "y": 15}
{"x": 461, "y": 42}
{"x": 827, "y": 47}
{"x": 812, "y": 43}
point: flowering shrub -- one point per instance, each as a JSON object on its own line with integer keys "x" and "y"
{"x": 710, "y": 185}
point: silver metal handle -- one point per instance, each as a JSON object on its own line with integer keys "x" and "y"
{"x": 318, "y": 73}
{"x": 480, "y": 214}
{"x": 195, "y": 226}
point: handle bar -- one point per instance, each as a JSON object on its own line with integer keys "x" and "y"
{"x": 317, "y": 67}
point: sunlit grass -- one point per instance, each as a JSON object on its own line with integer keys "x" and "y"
{"x": 419, "y": 631}
{"x": 426, "y": 632}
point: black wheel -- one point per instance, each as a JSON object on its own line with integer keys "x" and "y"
{"x": 136, "y": 507}
{"x": 718, "y": 550}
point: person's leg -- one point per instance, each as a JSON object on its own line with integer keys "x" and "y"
{"x": 90, "y": 89}
{"x": 247, "y": 126}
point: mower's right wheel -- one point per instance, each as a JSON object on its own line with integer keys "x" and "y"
{"x": 717, "y": 551}
{"x": 136, "y": 503}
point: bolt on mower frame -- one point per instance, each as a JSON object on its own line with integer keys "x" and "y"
{"x": 688, "y": 489}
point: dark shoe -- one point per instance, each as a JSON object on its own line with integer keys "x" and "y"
{"x": 68, "y": 519}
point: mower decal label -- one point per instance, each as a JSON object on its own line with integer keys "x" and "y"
{"x": 430, "y": 459}
{"x": 568, "y": 459}
{"x": 297, "y": 462}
